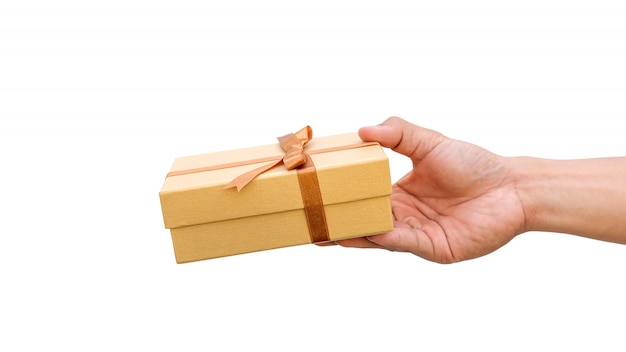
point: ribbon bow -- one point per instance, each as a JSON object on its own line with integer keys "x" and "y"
{"x": 293, "y": 145}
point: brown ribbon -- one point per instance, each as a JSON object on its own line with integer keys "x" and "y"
{"x": 293, "y": 145}
{"x": 312, "y": 202}
{"x": 294, "y": 158}
{"x": 242, "y": 180}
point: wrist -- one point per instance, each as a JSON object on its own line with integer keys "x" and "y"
{"x": 580, "y": 197}
{"x": 534, "y": 181}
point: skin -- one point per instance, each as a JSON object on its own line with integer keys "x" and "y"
{"x": 461, "y": 201}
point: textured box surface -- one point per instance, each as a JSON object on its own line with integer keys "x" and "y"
{"x": 208, "y": 221}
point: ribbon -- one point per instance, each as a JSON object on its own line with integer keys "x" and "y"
{"x": 275, "y": 160}
{"x": 293, "y": 145}
{"x": 312, "y": 202}
{"x": 294, "y": 158}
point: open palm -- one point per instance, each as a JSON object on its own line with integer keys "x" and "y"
{"x": 456, "y": 203}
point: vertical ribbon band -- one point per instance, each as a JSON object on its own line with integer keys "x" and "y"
{"x": 293, "y": 145}
{"x": 313, "y": 203}
{"x": 296, "y": 158}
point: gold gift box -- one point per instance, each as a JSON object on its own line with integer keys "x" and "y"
{"x": 208, "y": 221}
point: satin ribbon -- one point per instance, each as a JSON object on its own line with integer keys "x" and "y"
{"x": 312, "y": 201}
{"x": 293, "y": 145}
{"x": 295, "y": 157}
{"x": 274, "y": 161}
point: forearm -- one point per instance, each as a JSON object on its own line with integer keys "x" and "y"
{"x": 585, "y": 197}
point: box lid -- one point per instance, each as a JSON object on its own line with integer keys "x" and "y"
{"x": 344, "y": 175}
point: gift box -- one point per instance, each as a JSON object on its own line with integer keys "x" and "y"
{"x": 300, "y": 190}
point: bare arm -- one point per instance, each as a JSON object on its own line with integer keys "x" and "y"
{"x": 461, "y": 201}
{"x": 585, "y": 197}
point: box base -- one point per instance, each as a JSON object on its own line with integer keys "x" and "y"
{"x": 237, "y": 236}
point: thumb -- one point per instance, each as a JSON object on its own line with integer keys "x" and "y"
{"x": 403, "y": 137}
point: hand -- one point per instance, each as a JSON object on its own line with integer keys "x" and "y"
{"x": 457, "y": 203}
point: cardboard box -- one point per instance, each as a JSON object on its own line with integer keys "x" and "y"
{"x": 208, "y": 221}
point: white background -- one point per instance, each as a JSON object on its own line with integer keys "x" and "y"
{"x": 98, "y": 97}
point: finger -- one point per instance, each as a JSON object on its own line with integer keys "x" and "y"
{"x": 403, "y": 137}
{"x": 325, "y": 244}
{"x": 399, "y": 240}
{"x": 361, "y": 242}
{"x": 405, "y": 238}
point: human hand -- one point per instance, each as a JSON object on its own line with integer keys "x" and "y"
{"x": 457, "y": 203}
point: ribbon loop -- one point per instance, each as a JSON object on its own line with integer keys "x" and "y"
{"x": 295, "y": 157}
{"x": 293, "y": 145}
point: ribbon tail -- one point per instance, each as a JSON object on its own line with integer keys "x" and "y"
{"x": 242, "y": 180}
